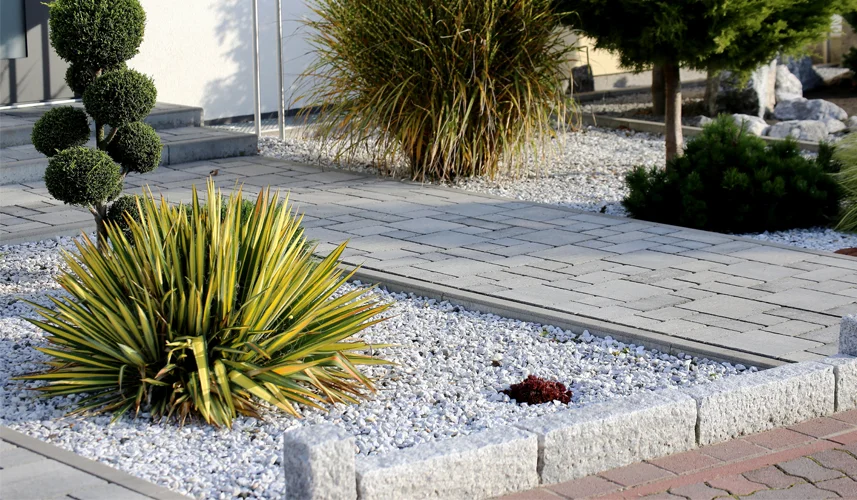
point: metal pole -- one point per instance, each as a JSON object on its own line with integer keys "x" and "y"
{"x": 281, "y": 100}
{"x": 257, "y": 84}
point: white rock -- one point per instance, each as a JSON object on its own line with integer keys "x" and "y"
{"x": 803, "y": 130}
{"x": 788, "y": 85}
{"x": 808, "y": 109}
{"x": 753, "y": 124}
{"x": 834, "y": 126}
{"x": 756, "y": 96}
{"x": 852, "y": 123}
{"x": 700, "y": 121}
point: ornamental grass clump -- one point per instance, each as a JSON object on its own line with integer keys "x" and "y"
{"x": 206, "y": 316}
{"x": 846, "y": 156}
{"x": 454, "y": 87}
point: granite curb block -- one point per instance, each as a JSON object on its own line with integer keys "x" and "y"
{"x": 602, "y": 436}
{"x": 88, "y": 466}
{"x": 756, "y": 402}
{"x": 481, "y": 465}
{"x": 848, "y": 335}
{"x": 845, "y": 371}
{"x": 319, "y": 463}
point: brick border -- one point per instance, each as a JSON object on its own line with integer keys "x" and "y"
{"x": 579, "y": 442}
{"x": 88, "y": 466}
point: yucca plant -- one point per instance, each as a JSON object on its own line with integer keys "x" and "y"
{"x": 206, "y": 315}
{"x": 846, "y": 155}
{"x": 454, "y": 87}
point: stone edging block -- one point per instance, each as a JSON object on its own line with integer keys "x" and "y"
{"x": 601, "y": 436}
{"x": 848, "y": 335}
{"x": 319, "y": 463}
{"x": 481, "y": 465}
{"x": 785, "y": 395}
{"x": 845, "y": 371}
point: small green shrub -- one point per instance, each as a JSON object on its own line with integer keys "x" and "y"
{"x": 119, "y": 97}
{"x": 207, "y": 316}
{"x": 456, "y": 88}
{"x": 122, "y": 207}
{"x": 137, "y": 147}
{"x": 849, "y": 60}
{"x": 60, "y": 128}
{"x": 730, "y": 181}
{"x": 96, "y": 34}
{"x": 846, "y": 155}
{"x": 78, "y": 76}
{"x": 83, "y": 176}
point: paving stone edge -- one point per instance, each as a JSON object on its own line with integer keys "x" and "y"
{"x": 88, "y": 466}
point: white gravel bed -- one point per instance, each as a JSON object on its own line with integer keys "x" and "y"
{"x": 586, "y": 172}
{"x": 450, "y": 365}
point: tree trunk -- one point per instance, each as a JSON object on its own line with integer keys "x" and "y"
{"x": 100, "y": 214}
{"x": 99, "y": 135}
{"x": 712, "y": 86}
{"x": 672, "y": 85}
{"x": 658, "y": 104}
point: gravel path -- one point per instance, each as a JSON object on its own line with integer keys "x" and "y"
{"x": 586, "y": 173}
{"x": 450, "y": 365}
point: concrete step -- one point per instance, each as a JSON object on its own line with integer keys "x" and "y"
{"x": 16, "y": 125}
{"x": 181, "y": 145}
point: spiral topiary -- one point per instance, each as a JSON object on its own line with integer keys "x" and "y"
{"x": 60, "y": 128}
{"x": 83, "y": 176}
{"x": 96, "y": 34}
{"x": 79, "y": 76}
{"x": 136, "y": 147}
{"x": 119, "y": 97}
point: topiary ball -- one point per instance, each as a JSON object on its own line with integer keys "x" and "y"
{"x": 119, "y": 97}
{"x": 83, "y": 176}
{"x": 78, "y": 76}
{"x": 60, "y": 128}
{"x": 137, "y": 147}
{"x": 97, "y": 33}
{"x": 122, "y": 206}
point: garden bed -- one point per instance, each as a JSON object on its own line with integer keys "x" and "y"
{"x": 451, "y": 364}
{"x": 586, "y": 173}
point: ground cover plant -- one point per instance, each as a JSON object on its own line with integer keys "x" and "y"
{"x": 206, "y": 315}
{"x": 456, "y": 88}
{"x": 731, "y": 181}
{"x": 96, "y": 37}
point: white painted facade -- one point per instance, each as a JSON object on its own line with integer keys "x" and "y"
{"x": 200, "y": 53}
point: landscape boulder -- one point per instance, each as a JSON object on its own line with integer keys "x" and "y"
{"x": 699, "y": 121}
{"x": 852, "y": 124}
{"x": 788, "y": 86}
{"x": 804, "y": 71}
{"x": 835, "y": 126}
{"x": 756, "y": 97}
{"x": 803, "y": 130}
{"x": 753, "y": 124}
{"x": 809, "y": 109}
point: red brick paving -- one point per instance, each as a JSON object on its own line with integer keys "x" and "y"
{"x": 809, "y": 461}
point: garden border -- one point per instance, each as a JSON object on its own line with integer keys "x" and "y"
{"x": 576, "y": 443}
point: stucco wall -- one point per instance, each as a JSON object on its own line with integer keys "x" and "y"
{"x": 200, "y": 53}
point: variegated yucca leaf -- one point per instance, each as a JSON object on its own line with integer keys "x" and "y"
{"x": 206, "y": 314}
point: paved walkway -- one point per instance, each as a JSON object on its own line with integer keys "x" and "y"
{"x": 813, "y": 460}
{"x": 33, "y": 470}
{"x": 663, "y": 286}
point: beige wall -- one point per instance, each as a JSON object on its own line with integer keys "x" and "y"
{"x": 200, "y": 53}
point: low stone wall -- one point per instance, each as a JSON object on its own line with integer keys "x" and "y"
{"x": 577, "y": 442}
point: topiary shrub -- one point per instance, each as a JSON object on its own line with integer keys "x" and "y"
{"x": 121, "y": 208}
{"x": 96, "y": 33}
{"x": 731, "y": 181}
{"x": 849, "y": 60}
{"x": 96, "y": 37}
{"x": 136, "y": 147}
{"x": 455, "y": 88}
{"x": 60, "y": 128}
{"x": 846, "y": 156}
{"x": 78, "y": 76}
{"x": 208, "y": 317}
{"x": 120, "y": 97}
{"x": 83, "y": 176}
{"x": 536, "y": 390}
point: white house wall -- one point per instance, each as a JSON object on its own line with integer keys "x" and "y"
{"x": 200, "y": 53}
